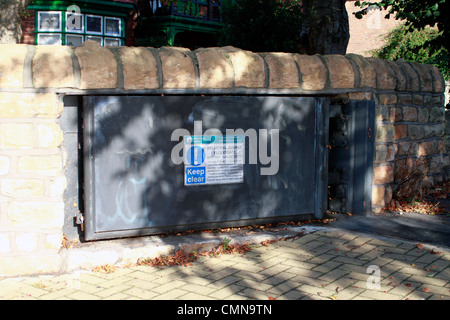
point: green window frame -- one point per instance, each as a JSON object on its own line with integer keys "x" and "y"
{"x": 67, "y": 28}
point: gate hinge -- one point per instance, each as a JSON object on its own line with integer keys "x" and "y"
{"x": 79, "y": 219}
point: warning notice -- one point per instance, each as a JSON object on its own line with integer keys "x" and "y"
{"x": 213, "y": 160}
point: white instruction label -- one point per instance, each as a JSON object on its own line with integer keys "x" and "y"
{"x": 213, "y": 160}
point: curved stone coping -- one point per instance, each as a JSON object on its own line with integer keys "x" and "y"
{"x": 92, "y": 67}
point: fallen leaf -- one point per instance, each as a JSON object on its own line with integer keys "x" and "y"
{"x": 272, "y": 298}
{"x": 425, "y": 289}
{"x": 420, "y": 246}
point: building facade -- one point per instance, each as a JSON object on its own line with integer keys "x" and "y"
{"x": 73, "y": 22}
{"x": 184, "y": 23}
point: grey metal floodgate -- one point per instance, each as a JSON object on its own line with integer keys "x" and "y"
{"x": 132, "y": 187}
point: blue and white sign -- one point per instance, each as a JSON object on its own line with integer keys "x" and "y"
{"x": 195, "y": 175}
{"x": 213, "y": 160}
{"x": 195, "y": 156}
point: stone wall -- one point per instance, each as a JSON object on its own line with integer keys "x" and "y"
{"x": 33, "y": 79}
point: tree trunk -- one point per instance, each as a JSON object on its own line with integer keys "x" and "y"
{"x": 325, "y": 29}
{"x": 10, "y": 20}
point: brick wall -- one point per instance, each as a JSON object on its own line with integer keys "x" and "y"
{"x": 28, "y": 26}
{"x": 368, "y": 33}
{"x": 409, "y": 105}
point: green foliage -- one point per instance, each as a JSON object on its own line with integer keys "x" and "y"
{"x": 414, "y": 45}
{"x": 262, "y": 25}
{"x": 417, "y": 14}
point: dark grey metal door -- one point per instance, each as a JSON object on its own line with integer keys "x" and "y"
{"x": 133, "y": 186}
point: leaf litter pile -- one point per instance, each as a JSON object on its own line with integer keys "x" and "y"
{"x": 425, "y": 204}
{"x": 181, "y": 258}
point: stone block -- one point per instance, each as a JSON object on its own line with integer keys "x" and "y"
{"x": 409, "y": 113}
{"x": 405, "y": 98}
{"x": 29, "y": 105}
{"x": 388, "y": 194}
{"x": 416, "y": 132}
{"x": 16, "y": 136}
{"x": 378, "y": 193}
{"x": 27, "y": 242}
{"x": 216, "y": 71}
{"x": 42, "y": 165}
{"x": 139, "y": 68}
{"x": 434, "y": 130}
{"x": 98, "y": 66}
{"x": 5, "y": 243}
{"x": 53, "y": 241}
{"x": 30, "y": 264}
{"x": 403, "y": 168}
{"x": 52, "y": 67}
{"x": 386, "y": 78}
{"x": 422, "y": 114}
{"x": 387, "y": 98}
{"x": 396, "y": 114}
{"x": 437, "y": 164}
{"x": 418, "y": 99}
{"x": 12, "y": 59}
{"x": 177, "y": 68}
{"x": 49, "y": 135}
{"x": 5, "y": 165}
{"x": 383, "y": 174}
{"x": 411, "y": 76}
{"x": 382, "y": 113}
{"x": 385, "y": 133}
{"x": 401, "y": 80}
{"x": 400, "y": 131}
{"x": 248, "y": 68}
{"x": 22, "y": 188}
{"x": 340, "y": 71}
{"x": 407, "y": 148}
{"x": 35, "y": 215}
{"x": 385, "y": 153}
{"x": 313, "y": 72}
{"x": 427, "y": 148}
{"x": 56, "y": 186}
{"x": 426, "y": 80}
{"x": 367, "y": 74}
{"x": 437, "y": 114}
{"x": 283, "y": 73}
{"x": 439, "y": 82}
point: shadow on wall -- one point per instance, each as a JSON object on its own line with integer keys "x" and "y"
{"x": 133, "y": 184}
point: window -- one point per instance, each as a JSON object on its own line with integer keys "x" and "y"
{"x": 112, "y": 42}
{"x": 112, "y": 26}
{"x": 74, "y": 40}
{"x": 49, "y": 39}
{"x": 95, "y": 38}
{"x": 72, "y": 29}
{"x": 74, "y": 22}
{"x": 94, "y": 24}
{"x": 49, "y": 21}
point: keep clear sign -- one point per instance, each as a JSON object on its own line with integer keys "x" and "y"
{"x": 213, "y": 160}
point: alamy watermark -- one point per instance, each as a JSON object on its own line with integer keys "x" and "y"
{"x": 374, "y": 280}
{"x": 74, "y": 21}
{"x": 258, "y": 149}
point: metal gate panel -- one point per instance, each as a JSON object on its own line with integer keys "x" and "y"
{"x": 132, "y": 186}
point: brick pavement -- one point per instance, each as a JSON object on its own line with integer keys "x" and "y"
{"x": 329, "y": 264}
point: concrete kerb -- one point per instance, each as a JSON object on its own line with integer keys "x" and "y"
{"x": 122, "y": 252}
